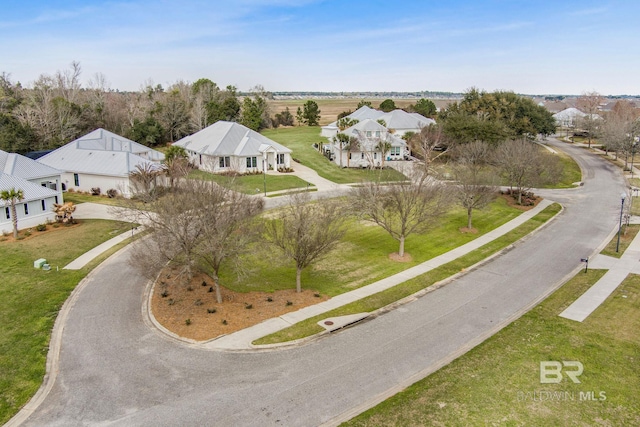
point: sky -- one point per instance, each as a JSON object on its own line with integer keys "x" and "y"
{"x": 529, "y": 47}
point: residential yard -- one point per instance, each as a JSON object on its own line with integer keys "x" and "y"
{"x": 378, "y": 261}
{"x": 32, "y": 298}
{"x": 498, "y": 382}
{"x": 300, "y": 139}
{"x": 253, "y": 184}
{"x": 571, "y": 172}
{"x": 77, "y": 198}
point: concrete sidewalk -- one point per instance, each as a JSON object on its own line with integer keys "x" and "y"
{"x": 619, "y": 269}
{"x": 243, "y": 338}
{"x": 85, "y": 258}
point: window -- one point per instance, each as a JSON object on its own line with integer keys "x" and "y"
{"x": 362, "y": 155}
{"x": 7, "y": 213}
{"x": 56, "y": 200}
{"x": 76, "y": 180}
{"x": 280, "y": 159}
{"x": 368, "y": 134}
{"x": 395, "y": 151}
{"x": 349, "y": 156}
{"x": 375, "y": 155}
{"x": 252, "y": 162}
{"x": 44, "y": 205}
{"x": 26, "y": 209}
{"x": 200, "y": 157}
{"x": 225, "y": 162}
{"x": 377, "y": 134}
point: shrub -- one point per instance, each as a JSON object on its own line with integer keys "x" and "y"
{"x": 317, "y": 295}
{"x": 171, "y": 301}
{"x": 164, "y": 294}
{"x": 198, "y": 302}
{"x": 224, "y": 321}
{"x": 27, "y": 233}
{"x": 95, "y": 191}
{"x": 189, "y": 288}
{"x": 211, "y": 310}
{"x": 112, "y": 192}
{"x": 41, "y": 227}
{"x": 269, "y": 299}
{"x": 187, "y": 322}
{"x": 204, "y": 283}
{"x": 248, "y": 306}
{"x": 289, "y": 303}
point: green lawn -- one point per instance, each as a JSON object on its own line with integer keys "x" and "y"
{"x": 379, "y": 261}
{"x": 78, "y": 198}
{"x": 253, "y": 184}
{"x": 494, "y": 384}
{"x": 571, "y": 172}
{"x": 31, "y": 300}
{"x": 300, "y": 139}
{"x": 627, "y": 234}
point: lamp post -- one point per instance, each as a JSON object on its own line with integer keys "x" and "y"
{"x": 633, "y": 152}
{"x": 622, "y": 196}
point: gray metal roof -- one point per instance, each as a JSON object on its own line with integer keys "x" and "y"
{"x": 400, "y": 119}
{"x": 101, "y": 153}
{"x": 31, "y": 191}
{"x": 24, "y": 167}
{"x": 229, "y": 139}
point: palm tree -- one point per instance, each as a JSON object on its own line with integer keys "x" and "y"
{"x": 13, "y": 196}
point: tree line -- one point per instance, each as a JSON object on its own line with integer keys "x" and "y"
{"x": 57, "y": 109}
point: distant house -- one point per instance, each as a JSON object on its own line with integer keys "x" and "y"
{"x": 40, "y": 184}
{"x": 372, "y": 145}
{"x": 398, "y": 122}
{"x": 232, "y": 147}
{"x": 568, "y": 117}
{"x": 100, "y": 159}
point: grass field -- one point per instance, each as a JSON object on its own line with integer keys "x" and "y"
{"x": 498, "y": 382}
{"x": 253, "y": 184}
{"x": 627, "y": 234}
{"x": 300, "y": 139}
{"x": 31, "y": 300}
{"x": 309, "y": 327}
{"x": 330, "y": 108}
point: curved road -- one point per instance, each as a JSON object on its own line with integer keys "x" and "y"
{"x": 116, "y": 370}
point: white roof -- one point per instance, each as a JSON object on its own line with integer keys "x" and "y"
{"x": 569, "y": 114}
{"x": 229, "y": 139}
{"x": 24, "y": 167}
{"x": 31, "y": 191}
{"x": 101, "y": 153}
{"x": 364, "y": 126}
{"x": 400, "y": 119}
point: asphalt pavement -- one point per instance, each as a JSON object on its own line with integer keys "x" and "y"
{"x": 115, "y": 369}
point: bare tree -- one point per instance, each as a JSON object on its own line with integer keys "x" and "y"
{"x": 428, "y": 145}
{"x": 401, "y": 209}
{"x": 176, "y": 222}
{"x": 589, "y": 103}
{"x": 476, "y": 183}
{"x": 525, "y": 165}
{"x": 304, "y": 231}
{"x": 619, "y": 129}
{"x": 226, "y": 230}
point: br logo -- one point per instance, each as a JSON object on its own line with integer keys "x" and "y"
{"x": 551, "y": 371}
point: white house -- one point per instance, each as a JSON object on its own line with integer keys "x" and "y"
{"x": 40, "y": 184}
{"x": 372, "y": 145}
{"x": 569, "y": 117}
{"x": 232, "y": 147}
{"x": 35, "y": 208}
{"x": 397, "y": 121}
{"x": 100, "y": 159}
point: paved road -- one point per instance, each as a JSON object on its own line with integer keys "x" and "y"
{"x": 115, "y": 370}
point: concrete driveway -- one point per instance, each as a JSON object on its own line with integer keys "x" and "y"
{"x": 116, "y": 370}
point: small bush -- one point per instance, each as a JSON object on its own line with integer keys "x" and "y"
{"x": 317, "y": 295}
{"x": 189, "y": 288}
{"x": 248, "y": 306}
{"x": 211, "y": 310}
{"x": 27, "y": 233}
{"x": 204, "y": 283}
{"x": 198, "y": 302}
{"x": 164, "y": 294}
{"x": 171, "y": 301}
{"x": 187, "y": 322}
{"x": 210, "y": 289}
{"x": 95, "y": 191}
{"x": 289, "y": 303}
{"x": 112, "y": 193}
{"x": 224, "y": 321}
{"x": 269, "y": 299}
{"x": 41, "y": 227}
